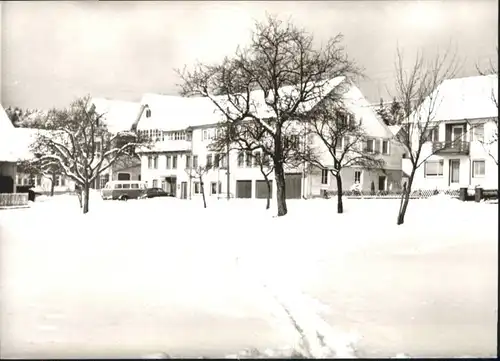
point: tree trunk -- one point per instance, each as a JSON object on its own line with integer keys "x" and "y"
{"x": 79, "y": 195}
{"x": 279, "y": 175}
{"x": 340, "y": 205}
{"x": 86, "y": 198}
{"x": 405, "y": 199}
{"x": 269, "y": 190}
{"x": 203, "y": 194}
{"x": 52, "y": 184}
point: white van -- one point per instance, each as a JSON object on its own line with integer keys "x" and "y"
{"x": 123, "y": 190}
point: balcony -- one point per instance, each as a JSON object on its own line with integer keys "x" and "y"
{"x": 450, "y": 147}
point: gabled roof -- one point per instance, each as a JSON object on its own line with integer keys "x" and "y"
{"x": 118, "y": 115}
{"x": 171, "y": 112}
{"x": 465, "y": 98}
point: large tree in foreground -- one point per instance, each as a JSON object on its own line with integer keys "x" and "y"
{"x": 417, "y": 90}
{"x": 77, "y": 142}
{"x": 270, "y": 82}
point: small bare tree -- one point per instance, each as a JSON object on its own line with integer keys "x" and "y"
{"x": 35, "y": 168}
{"x": 77, "y": 141}
{"x": 270, "y": 82}
{"x": 198, "y": 173}
{"x": 248, "y": 138}
{"x": 418, "y": 93}
{"x": 337, "y": 141}
{"x": 491, "y": 140}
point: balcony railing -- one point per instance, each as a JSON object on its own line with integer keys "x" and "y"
{"x": 450, "y": 147}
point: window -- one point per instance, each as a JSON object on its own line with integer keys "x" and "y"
{"x": 478, "y": 133}
{"x": 134, "y": 186}
{"x": 209, "y": 161}
{"x": 241, "y": 158}
{"x": 478, "y": 168}
{"x": 196, "y": 188}
{"x": 188, "y": 161}
{"x": 205, "y": 135}
{"x": 434, "y": 168}
{"x": 370, "y": 146}
{"x": 324, "y": 176}
{"x": 220, "y": 187}
{"x": 124, "y": 176}
{"x": 38, "y": 180}
{"x": 223, "y": 160}
{"x": 153, "y": 162}
{"x": 340, "y": 142}
{"x": 248, "y": 161}
{"x": 126, "y": 186}
{"x": 256, "y": 158}
{"x": 57, "y": 180}
{"x": 213, "y": 188}
{"x": 63, "y": 181}
{"x": 174, "y": 162}
{"x": 266, "y": 160}
{"x": 432, "y": 135}
{"x": 169, "y": 162}
{"x": 195, "y": 161}
{"x": 385, "y": 147}
{"x": 155, "y": 183}
{"x": 216, "y": 160}
{"x": 357, "y": 176}
{"x": 118, "y": 186}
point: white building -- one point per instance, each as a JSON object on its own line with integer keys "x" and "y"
{"x": 462, "y": 150}
{"x": 182, "y": 129}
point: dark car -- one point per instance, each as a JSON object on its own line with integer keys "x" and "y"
{"x": 27, "y": 189}
{"x": 156, "y": 192}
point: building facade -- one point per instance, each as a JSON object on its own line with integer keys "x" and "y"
{"x": 181, "y": 130}
{"x": 462, "y": 142}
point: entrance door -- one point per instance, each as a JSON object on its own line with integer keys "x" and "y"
{"x": 381, "y": 182}
{"x": 457, "y": 132}
{"x": 454, "y": 171}
{"x": 184, "y": 187}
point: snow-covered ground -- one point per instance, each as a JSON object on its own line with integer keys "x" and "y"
{"x": 165, "y": 275}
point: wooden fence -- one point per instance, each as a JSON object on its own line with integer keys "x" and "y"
{"x": 13, "y": 199}
{"x": 415, "y": 194}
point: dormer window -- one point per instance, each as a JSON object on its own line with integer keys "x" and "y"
{"x": 148, "y": 113}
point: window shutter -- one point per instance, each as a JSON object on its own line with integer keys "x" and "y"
{"x": 377, "y": 145}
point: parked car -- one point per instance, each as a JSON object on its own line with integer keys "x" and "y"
{"x": 156, "y": 192}
{"x": 123, "y": 190}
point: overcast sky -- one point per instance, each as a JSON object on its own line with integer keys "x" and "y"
{"x": 53, "y": 52}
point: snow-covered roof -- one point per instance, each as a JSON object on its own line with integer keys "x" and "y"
{"x": 357, "y": 104}
{"x": 15, "y": 146}
{"x": 171, "y": 112}
{"x": 6, "y": 131}
{"x": 465, "y": 98}
{"x": 119, "y": 115}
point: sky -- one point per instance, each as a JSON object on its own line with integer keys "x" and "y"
{"x": 54, "y": 52}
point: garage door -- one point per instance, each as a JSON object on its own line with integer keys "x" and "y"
{"x": 244, "y": 189}
{"x": 293, "y": 185}
{"x": 261, "y": 189}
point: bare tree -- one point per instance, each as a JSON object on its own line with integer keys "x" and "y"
{"x": 248, "y": 138}
{"x": 418, "y": 93}
{"x": 77, "y": 141}
{"x": 278, "y": 76}
{"x": 46, "y": 169}
{"x": 337, "y": 141}
{"x": 492, "y": 139}
{"x": 198, "y": 173}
